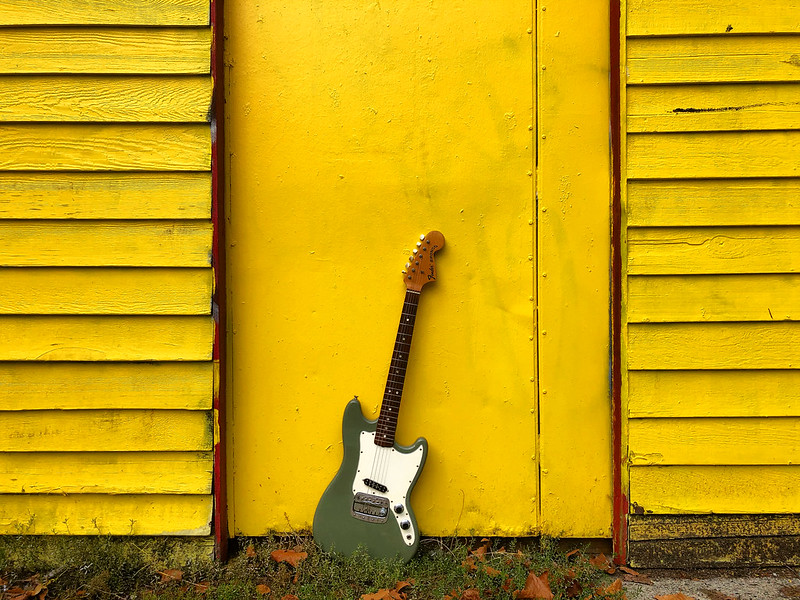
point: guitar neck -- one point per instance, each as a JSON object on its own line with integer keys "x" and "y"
{"x": 393, "y": 394}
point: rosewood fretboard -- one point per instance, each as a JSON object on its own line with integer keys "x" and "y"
{"x": 390, "y": 407}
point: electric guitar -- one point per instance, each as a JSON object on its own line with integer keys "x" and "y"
{"x": 367, "y": 503}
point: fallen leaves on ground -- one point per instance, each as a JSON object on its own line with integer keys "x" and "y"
{"x": 611, "y": 590}
{"x": 717, "y": 595}
{"x": 602, "y": 562}
{"x": 290, "y": 597}
{"x": 293, "y": 557}
{"x": 678, "y": 596}
{"x": 263, "y": 589}
{"x": 631, "y": 575}
{"x": 536, "y": 587}
{"x": 250, "y": 551}
{"x": 168, "y": 575}
{"x": 395, "y": 593}
{"x": 481, "y": 551}
{"x": 790, "y": 591}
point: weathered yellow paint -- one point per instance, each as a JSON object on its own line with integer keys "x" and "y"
{"x": 691, "y": 17}
{"x": 723, "y": 59}
{"x": 714, "y": 393}
{"x": 714, "y": 441}
{"x": 93, "y": 385}
{"x": 105, "y": 430}
{"x": 713, "y": 107}
{"x": 104, "y": 291}
{"x": 103, "y": 338}
{"x": 105, "y": 98}
{"x": 573, "y": 189}
{"x": 100, "y": 514}
{"x": 667, "y": 298}
{"x": 105, "y": 50}
{"x": 354, "y": 128}
{"x": 697, "y": 155}
{"x": 712, "y": 202}
{"x": 652, "y": 527}
{"x": 105, "y": 243}
{"x": 105, "y": 472}
{"x": 105, "y": 195}
{"x": 718, "y": 489}
{"x": 105, "y": 12}
{"x": 105, "y": 147}
{"x": 698, "y": 250}
{"x": 714, "y": 345}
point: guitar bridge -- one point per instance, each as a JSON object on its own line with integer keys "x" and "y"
{"x": 369, "y": 508}
{"x": 376, "y": 486}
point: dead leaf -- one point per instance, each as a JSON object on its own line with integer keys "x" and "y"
{"x": 631, "y": 575}
{"x": 790, "y": 591}
{"x": 470, "y": 595}
{"x": 469, "y": 563}
{"x": 613, "y": 589}
{"x": 481, "y": 551}
{"x": 572, "y": 553}
{"x": 289, "y": 597}
{"x": 263, "y": 589}
{"x": 715, "y": 595}
{"x": 171, "y": 575}
{"x": 678, "y": 596}
{"x": 288, "y": 556}
{"x": 536, "y": 587}
{"x": 250, "y": 551}
{"x": 202, "y": 587}
{"x": 574, "y": 589}
{"x": 491, "y": 571}
{"x": 602, "y": 562}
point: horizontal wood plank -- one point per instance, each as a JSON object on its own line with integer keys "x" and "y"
{"x": 105, "y": 98}
{"x": 714, "y": 441}
{"x": 736, "y": 393}
{"x": 720, "y": 107}
{"x": 99, "y": 514}
{"x": 105, "y": 472}
{"x": 105, "y": 243}
{"x": 709, "y": 59}
{"x": 690, "y": 17}
{"x": 709, "y": 202}
{"x": 92, "y": 385}
{"x": 668, "y": 346}
{"x": 105, "y": 291}
{"x": 710, "y": 250}
{"x": 720, "y": 154}
{"x": 105, "y": 195}
{"x": 692, "y": 298}
{"x": 105, "y": 50}
{"x": 105, "y": 12}
{"x": 106, "y": 338}
{"x": 106, "y": 431}
{"x": 104, "y": 147}
{"x": 715, "y": 553}
{"x": 715, "y": 489}
{"x": 670, "y": 527}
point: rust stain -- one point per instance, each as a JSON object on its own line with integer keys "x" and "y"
{"x": 732, "y": 108}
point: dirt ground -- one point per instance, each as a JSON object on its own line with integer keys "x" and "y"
{"x": 766, "y": 584}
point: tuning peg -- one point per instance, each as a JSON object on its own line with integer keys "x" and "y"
{"x": 419, "y": 244}
{"x": 404, "y": 271}
{"x": 408, "y": 265}
{"x": 415, "y": 250}
{"x": 422, "y": 237}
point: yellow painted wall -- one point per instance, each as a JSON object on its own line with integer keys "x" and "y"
{"x": 105, "y": 196}
{"x": 711, "y": 248}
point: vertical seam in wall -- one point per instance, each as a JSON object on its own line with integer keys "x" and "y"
{"x": 535, "y": 226}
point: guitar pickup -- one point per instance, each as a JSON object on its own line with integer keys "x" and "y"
{"x": 376, "y": 486}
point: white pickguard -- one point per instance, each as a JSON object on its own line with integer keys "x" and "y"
{"x": 394, "y": 470}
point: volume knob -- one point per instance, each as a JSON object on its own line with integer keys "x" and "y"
{"x": 399, "y": 508}
{"x": 405, "y": 525}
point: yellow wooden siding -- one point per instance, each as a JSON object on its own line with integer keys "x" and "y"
{"x": 105, "y": 12}
{"x": 157, "y": 195}
{"x": 712, "y": 175}
{"x": 105, "y": 208}
{"x": 109, "y": 385}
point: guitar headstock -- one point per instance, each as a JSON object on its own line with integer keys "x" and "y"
{"x": 421, "y": 268}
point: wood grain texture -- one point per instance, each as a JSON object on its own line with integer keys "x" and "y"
{"x": 93, "y": 385}
{"x": 105, "y": 98}
{"x": 714, "y": 345}
{"x": 735, "y": 393}
{"x": 674, "y": 298}
{"x": 106, "y": 338}
{"x": 713, "y": 154}
{"x": 713, "y": 107}
{"x": 670, "y": 527}
{"x": 106, "y": 291}
{"x": 709, "y": 250}
{"x": 105, "y": 50}
{"x": 104, "y": 147}
{"x": 717, "y": 489}
{"x": 708, "y": 202}
{"x": 708, "y": 59}
{"x": 105, "y": 12}
{"x": 100, "y": 514}
{"x": 713, "y": 552}
{"x": 105, "y": 195}
{"x": 714, "y": 441}
{"x": 105, "y": 243}
{"x": 690, "y": 17}
{"x": 106, "y": 431}
{"x": 105, "y": 472}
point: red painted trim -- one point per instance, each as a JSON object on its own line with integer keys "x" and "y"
{"x": 619, "y": 523}
{"x": 220, "y": 525}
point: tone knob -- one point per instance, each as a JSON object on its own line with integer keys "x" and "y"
{"x": 405, "y": 524}
{"x": 399, "y": 508}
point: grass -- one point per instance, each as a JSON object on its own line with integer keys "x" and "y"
{"x": 165, "y": 569}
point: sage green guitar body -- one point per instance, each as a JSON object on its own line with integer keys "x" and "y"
{"x": 351, "y": 514}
